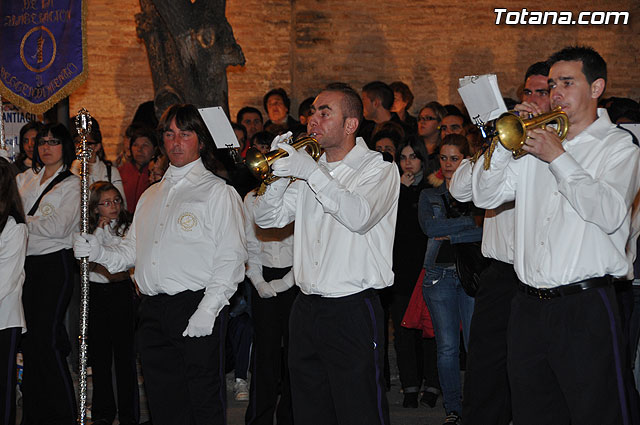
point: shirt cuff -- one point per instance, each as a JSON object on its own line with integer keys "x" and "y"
{"x": 500, "y": 154}
{"x": 319, "y": 179}
{"x": 213, "y": 303}
{"x": 563, "y": 166}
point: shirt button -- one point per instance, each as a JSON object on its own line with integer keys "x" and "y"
{"x": 555, "y": 193}
{"x": 548, "y": 219}
{"x": 316, "y": 263}
{"x": 167, "y": 205}
{"x": 161, "y": 224}
{"x": 541, "y": 243}
{"x": 155, "y": 242}
{"x": 154, "y": 263}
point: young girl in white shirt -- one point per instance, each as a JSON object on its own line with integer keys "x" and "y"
{"x": 111, "y": 315}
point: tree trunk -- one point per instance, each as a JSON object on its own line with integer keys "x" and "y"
{"x": 189, "y": 44}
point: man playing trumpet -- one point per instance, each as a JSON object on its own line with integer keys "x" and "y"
{"x": 573, "y": 203}
{"x": 345, "y": 208}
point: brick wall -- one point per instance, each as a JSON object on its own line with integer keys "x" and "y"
{"x": 301, "y": 45}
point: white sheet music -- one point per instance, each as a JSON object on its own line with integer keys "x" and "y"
{"x": 219, "y": 127}
{"x": 481, "y": 95}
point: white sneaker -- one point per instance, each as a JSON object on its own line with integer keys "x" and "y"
{"x": 241, "y": 390}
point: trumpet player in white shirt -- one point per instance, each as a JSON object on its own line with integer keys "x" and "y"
{"x": 573, "y": 205}
{"x": 486, "y": 397}
{"x": 188, "y": 246}
{"x": 345, "y": 209}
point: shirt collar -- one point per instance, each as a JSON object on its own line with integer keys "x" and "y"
{"x": 353, "y": 159}
{"x": 599, "y": 128}
{"x": 191, "y": 172}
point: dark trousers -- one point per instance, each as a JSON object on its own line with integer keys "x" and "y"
{"x": 48, "y": 393}
{"x": 624, "y": 294}
{"x": 565, "y": 360}
{"x": 8, "y": 348}
{"x": 269, "y": 371}
{"x": 408, "y": 344}
{"x": 184, "y": 377}
{"x": 486, "y": 396}
{"x": 239, "y": 332}
{"x": 112, "y": 341}
{"x": 335, "y": 360}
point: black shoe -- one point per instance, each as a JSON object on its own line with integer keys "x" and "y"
{"x": 429, "y": 399}
{"x": 410, "y": 400}
{"x": 453, "y": 419}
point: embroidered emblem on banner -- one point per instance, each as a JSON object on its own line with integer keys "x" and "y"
{"x": 44, "y": 51}
{"x": 187, "y": 221}
{"x": 47, "y": 209}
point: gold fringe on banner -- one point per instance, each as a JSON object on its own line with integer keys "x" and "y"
{"x": 65, "y": 91}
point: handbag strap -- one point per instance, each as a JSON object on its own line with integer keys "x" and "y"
{"x": 63, "y": 175}
{"x": 447, "y": 207}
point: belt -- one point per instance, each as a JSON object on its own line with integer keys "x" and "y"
{"x": 564, "y": 290}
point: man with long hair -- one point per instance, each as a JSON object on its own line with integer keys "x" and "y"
{"x": 188, "y": 246}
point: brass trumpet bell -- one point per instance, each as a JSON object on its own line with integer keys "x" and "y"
{"x": 511, "y": 130}
{"x": 260, "y": 164}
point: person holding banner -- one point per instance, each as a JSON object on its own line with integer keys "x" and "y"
{"x": 50, "y": 194}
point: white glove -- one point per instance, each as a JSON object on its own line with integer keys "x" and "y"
{"x": 280, "y": 139}
{"x": 281, "y": 285}
{"x": 200, "y": 323}
{"x": 86, "y": 245}
{"x": 264, "y": 289}
{"x": 298, "y": 164}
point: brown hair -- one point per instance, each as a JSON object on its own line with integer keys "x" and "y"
{"x": 124, "y": 219}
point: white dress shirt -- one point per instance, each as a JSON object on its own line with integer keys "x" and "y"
{"x": 57, "y": 218}
{"x": 498, "y": 224}
{"x": 345, "y": 219}
{"x": 98, "y": 172}
{"x": 572, "y": 215}
{"x": 187, "y": 234}
{"x": 266, "y": 247}
{"x": 13, "y": 248}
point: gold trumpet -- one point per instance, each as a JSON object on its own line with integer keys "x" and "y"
{"x": 511, "y": 131}
{"x": 260, "y": 164}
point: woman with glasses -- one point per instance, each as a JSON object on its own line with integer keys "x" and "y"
{"x": 429, "y": 119}
{"x": 100, "y": 168}
{"x": 111, "y": 315}
{"x": 447, "y": 222}
{"x": 51, "y": 197}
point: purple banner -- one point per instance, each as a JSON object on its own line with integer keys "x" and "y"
{"x": 43, "y": 54}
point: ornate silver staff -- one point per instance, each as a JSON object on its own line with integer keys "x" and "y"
{"x": 83, "y": 126}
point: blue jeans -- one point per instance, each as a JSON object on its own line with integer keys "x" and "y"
{"x": 449, "y": 306}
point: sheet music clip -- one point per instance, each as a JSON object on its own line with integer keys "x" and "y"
{"x": 480, "y": 124}
{"x": 233, "y": 153}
